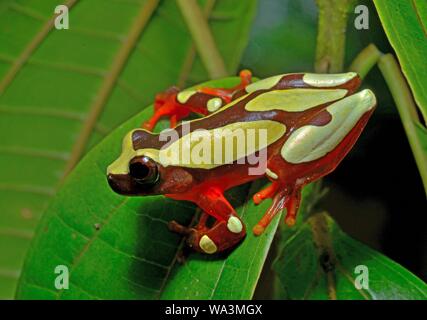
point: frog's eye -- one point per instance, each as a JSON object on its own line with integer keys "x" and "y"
{"x": 143, "y": 170}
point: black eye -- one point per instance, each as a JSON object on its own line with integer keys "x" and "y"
{"x": 143, "y": 170}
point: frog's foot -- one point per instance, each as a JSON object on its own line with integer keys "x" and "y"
{"x": 245, "y": 78}
{"x": 283, "y": 199}
{"x": 151, "y": 123}
{"x": 179, "y": 228}
{"x": 266, "y": 193}
{"x": 227, "y": 94}
{"x": 166, "y": 105}
{"x": 169, "y": 109}
{"x": 292, "y": 205}
{"x": 175, "y": 227}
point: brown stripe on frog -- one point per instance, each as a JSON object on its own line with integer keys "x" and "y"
{"x": 143, "y": 139}
{"x": 237, "y": 112}
{"x": 295, "y": 80}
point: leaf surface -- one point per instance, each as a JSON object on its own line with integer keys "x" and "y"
{"x": 61, "y": 91}
{"x": 120, "y": 247}
{"x": 405, "y": 23}
{"x": 301, "y": 273}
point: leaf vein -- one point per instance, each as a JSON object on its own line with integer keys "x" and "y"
{"x": 91, "y": 240}
{"x": 29, "y": 50}
{"x": 107, "y": 86}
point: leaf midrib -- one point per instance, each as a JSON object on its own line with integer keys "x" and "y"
{"x": 101, "y": 98}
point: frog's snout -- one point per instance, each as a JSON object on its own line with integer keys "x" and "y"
{"x": 119, "y": 183}
{"x": 113, "y": 183}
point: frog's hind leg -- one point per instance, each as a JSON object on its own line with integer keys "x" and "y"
{"x": 168, "y": 108}
{"x": 227, "y": 94}
{"x": 284, "y": 198}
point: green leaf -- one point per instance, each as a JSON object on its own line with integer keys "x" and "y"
{"x": 133, "y": 255}
{"x": 422, "y": 136}
{"x": 320, "y": 245}
{"x": 405, "y": 23}
{"x": 61, "y": 91}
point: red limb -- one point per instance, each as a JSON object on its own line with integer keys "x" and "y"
{"x": 227, "y": 94}
{"x": 266, "y": 193}
{"x": 213, "y": 202}
{"x": 292, "y": 205}
{"x": 173, "y": 121}
{"x": 282, "y": 199}
{"x": 170, "y": 108}
{"x": 227, "y": 231}
{"x": 201, "y": 225}
{"x": 167, "y": 105}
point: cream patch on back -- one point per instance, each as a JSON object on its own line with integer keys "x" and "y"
{"x": 310, "y": 142}
{"x": 264, "y": 84}
{"x": 207, "y": 149}
{"x": 328, "y": 80}
{"x": 294, "y": 100}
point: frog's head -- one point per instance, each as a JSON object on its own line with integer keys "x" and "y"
{"x": 138, "y": 170}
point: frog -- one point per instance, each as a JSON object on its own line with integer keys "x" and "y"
{"x": 303, "y": 124}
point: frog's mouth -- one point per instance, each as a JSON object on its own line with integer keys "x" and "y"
{"x": 124, "y": 184}
{"x": 121, "y": 183}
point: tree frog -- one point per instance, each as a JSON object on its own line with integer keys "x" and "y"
{"x": 302, "y": 123}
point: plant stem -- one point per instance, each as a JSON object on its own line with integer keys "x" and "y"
{"x": 402, "y": 97}
{"x": 330, "y": 49}
{"x": 202, "y": 37}
{"x": 407, "y": 110}
{"x": 191, "y": 54}
{"x": 365, "y": 60}
{"x": 325, "y": 250}
{"x": 333, "y": 16}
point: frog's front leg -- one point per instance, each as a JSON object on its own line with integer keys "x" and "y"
{"x": 227, "y": 231}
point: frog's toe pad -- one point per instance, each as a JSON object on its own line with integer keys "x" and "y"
{"x": 258, "y": 230}
{"x": 257, "y": 198}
